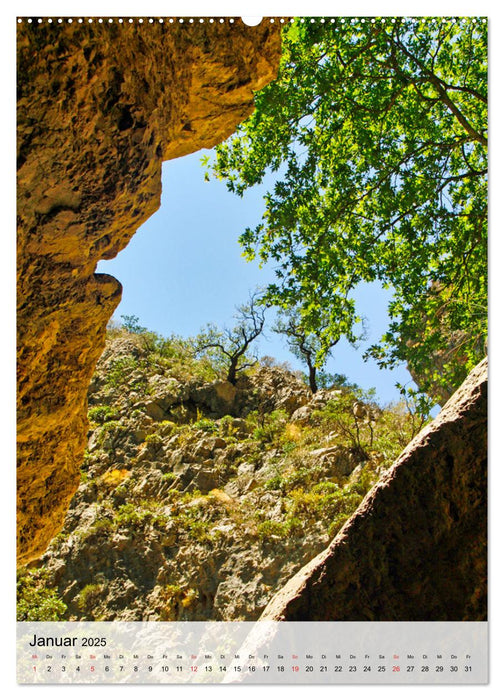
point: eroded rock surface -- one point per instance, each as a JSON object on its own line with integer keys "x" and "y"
{"x": 99, "y": 108}
{"x": 416, "y": 547}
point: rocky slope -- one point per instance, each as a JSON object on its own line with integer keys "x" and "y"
{"x": 100, "y": 106}
{"x": 200, "y": 499}
{"x": 416, "y": 548}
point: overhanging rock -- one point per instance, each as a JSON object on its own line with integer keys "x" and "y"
{"x": 100, "y": 106}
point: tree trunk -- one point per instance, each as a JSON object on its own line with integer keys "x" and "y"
{"x": 312, "y": 378}
{"x": 231, "y": 375}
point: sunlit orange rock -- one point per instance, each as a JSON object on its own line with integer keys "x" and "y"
{"x": 100, "y": 106}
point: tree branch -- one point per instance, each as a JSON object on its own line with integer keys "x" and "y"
{"x": 444, "y": 97}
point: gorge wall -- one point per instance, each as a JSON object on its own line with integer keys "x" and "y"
{"x": 99, "y": 108}
{"x": 415, "y": 549}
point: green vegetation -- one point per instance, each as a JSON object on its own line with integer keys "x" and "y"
{"x": 206, "y": 424}
{"x": 379, "y": 129}
{"x": 35, "y": 600}
{"x": 89, "y": 596}
{"x": 270, "y": 426}
{"x": 308, "y": 490}
{"x": 102, "y": 414}
{"x": 154, "y": 439}
{"x": 121, "y": 369}
{"x": 131, "y": 514}
{"x": 102, "y": 527}
{"x": 110, "y": 430}
{"x": 170, "y": 356}
{"x": 272, "y": 529}
{"x": 132, "y": 324}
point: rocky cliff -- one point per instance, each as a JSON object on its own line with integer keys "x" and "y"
{"x": 100, "y": 106}
{"x": 416, "y": 547}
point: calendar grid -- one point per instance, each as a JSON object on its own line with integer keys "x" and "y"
{"x": 253, "y": 653}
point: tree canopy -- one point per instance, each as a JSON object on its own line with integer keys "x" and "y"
{"x": 377, "y": 129}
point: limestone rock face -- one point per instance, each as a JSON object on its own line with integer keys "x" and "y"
{"x": 99, "y": 108}
{"x": 415, "y": 549}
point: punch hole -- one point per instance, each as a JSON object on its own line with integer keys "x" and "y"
{"x": 251, "y": 21}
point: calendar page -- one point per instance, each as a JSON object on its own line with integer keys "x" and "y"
{"x": 252, "y": 339}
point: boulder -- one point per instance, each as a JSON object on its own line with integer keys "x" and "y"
{"x": 216, "y": 398}
{"x": 302, "y": 415}
{"x": 204, "y": 480}
{"x": 153, "y": 410}
{"x": 336, "y": 461}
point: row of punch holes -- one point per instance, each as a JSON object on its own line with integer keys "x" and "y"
{"x": 250, "y": 21}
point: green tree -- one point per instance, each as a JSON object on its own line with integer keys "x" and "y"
{"x": 378, "y": 130}
{"x": 131, "y": 323}
{"x": 228, "y": 348}
{"x": 304, "y": 345}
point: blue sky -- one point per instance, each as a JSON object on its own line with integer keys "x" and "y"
{"x": 184, "y": 268}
